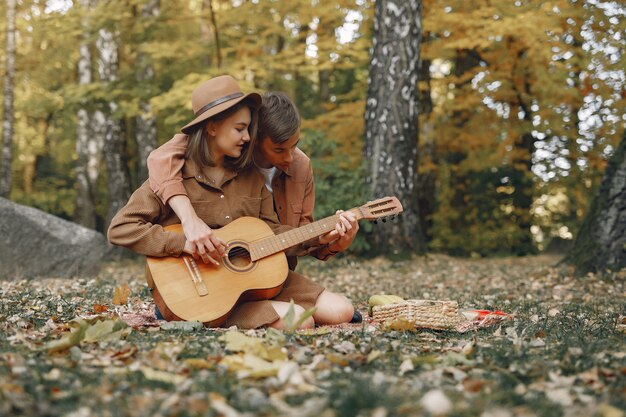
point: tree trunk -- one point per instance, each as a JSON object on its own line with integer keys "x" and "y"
{"x": 114, "y": 140}
{"x": 323, "y": 78}
{"x": 208, "y": 4}
{"x": 391, "y": 128}
{"x": 521, "y": 175}
{"x": 427, "y": 180}
{"x": 88, "y": 144}
{"x": 521, "y": 178}
{"x": 146, "y": 123}
{"x": 7, "y": 103}
{"x": 601, "y": 242}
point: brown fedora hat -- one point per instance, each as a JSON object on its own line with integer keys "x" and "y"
{"x": 214, "y": 96}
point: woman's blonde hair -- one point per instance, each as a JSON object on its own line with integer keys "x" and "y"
{"x": 198, "y": 148}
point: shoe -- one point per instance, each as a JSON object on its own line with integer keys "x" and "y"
{"x": 356, "y": 317}
{"x": 157, "y": 314}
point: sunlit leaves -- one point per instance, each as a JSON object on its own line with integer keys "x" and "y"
{"x": 89, "y": 330}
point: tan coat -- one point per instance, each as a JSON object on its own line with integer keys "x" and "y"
{"x": 138, "y": 225}
{"x": 294, "y": 189}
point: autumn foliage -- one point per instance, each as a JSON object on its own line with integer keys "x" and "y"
{"x": 521, "y": 103}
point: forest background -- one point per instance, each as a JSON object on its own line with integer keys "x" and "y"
{"x": 521, "y": 103}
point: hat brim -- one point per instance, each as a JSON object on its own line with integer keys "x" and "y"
{"x": 189, "y": 127}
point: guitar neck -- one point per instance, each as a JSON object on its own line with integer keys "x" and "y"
{"x": 279, "y": 243}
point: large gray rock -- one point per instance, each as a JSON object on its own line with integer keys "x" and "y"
{"x": 34, "y": 243}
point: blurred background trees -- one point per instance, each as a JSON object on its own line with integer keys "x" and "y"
{"x": 520, "y": 103}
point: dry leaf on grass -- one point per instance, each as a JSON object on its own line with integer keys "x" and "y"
{"x": 121, "y": 294}
{"x": 91, "y": 330}
{"x": 100, "y": 308}
{"x": 400, "y": 324}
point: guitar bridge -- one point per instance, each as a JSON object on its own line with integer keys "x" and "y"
{"x": 194, "y": 273}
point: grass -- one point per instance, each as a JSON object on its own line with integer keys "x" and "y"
{"x": 563, "y": 354}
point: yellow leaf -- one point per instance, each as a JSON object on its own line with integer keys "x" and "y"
{"x": 198, "y": 363}
{"x": 106, "y": 330}
{"x": 401, "y": 324}
{"x": 161, "y": 376}
{"x": 318, "y": 331}
{"x": 259, "y": 368}
{"x": 121, "y": 294}
{"x": 239, "y": 342}
{"x": 373, "y": 355}
{"x": 73, "y": 338}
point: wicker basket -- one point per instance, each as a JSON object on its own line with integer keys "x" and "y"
{"x": 432, "y": 314}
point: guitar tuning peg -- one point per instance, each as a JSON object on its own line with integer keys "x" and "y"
{"x": 384, "y": 220}
{"x": 374, "y": 221}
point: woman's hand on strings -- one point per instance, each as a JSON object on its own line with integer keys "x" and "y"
{"x": 202, "y": 242}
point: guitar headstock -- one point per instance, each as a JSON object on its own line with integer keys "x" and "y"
{"x": 381, "y": 208}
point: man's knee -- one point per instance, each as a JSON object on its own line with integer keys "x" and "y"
{"x": 298, "y": 310}
{"x": 334, "y": 308}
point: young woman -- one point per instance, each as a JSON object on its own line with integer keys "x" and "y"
{"x": 222, "y": 184}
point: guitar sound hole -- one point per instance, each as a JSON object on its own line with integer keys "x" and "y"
{"x": 239, "y": 257}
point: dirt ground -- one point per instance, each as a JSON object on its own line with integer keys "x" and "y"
{"x": 90, "y": 346}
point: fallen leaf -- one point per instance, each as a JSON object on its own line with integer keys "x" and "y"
{"x": 257, "y": 367}
{"x": 345, "y": 347}
{"x": 106, "y": 330}
{"x": 401, "y": 324}
{"x": 474, "y": 385}
{"x": 436, "y": 402}
{"x": 186, "y": 326}
{"x": 100, "y": 308}
{"x": 126, "y": 352}
{"x": 198, "y": 363}
{"x": 340, "y": 360}
{"x": 373, "y": 355}
{"x": 317, "y": 331}
{"x": 468, "y": 348}
{"x": 161, "y": 376}
{"x": 406, "y": 366}
{"x": 73, "y": 338}
{"x": 560, "y": 396}
{"x": 238, "y": 342}
{"x": 607, "y": 410}
{"x": 121, "y": 294}
{"x": 91, "y": 330}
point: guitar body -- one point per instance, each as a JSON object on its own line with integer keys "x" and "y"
{"x": 186, "y": 290}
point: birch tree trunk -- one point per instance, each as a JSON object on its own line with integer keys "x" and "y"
{"x": 114, "y": 141}
{"x": 88, "y": 143}
{"x": 391, "y": 128}
{"x": 146, "y": 123}
{"x": 7, "y": 103}
{"x": 601, "y": 242}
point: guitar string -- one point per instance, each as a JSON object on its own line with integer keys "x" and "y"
{"x": 239, "y": 251}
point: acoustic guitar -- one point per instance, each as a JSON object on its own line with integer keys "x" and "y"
{"x": 253, "y": 268}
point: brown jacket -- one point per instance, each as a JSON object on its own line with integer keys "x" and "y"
{"x": 138, "y": 225}
{"x": 294, "y": 190}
